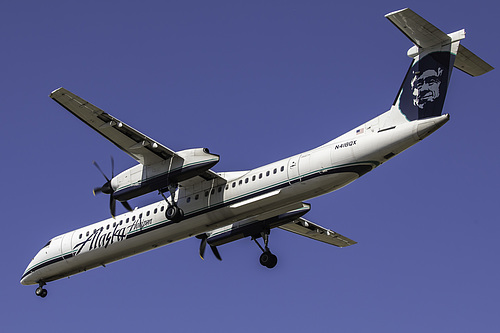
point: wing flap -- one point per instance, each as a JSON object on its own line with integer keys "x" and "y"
{"x": 311, "y": 230}
{"x": 139, "y": 146}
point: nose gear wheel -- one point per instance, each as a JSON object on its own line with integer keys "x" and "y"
{"x": 40, "y": 291}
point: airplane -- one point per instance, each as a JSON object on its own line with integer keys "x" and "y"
{"x": 223, "y": 207}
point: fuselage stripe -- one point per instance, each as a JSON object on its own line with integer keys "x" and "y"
{"x": 360, "y": 168}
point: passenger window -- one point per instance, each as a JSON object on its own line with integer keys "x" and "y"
{"x": 188, "y": 200}
{"x": 275, "y": 171}
{"x": 282, "y": 168}
{"x": 88, "y": 232}
{"x": 133, "y": 218}
{"x": 162, "y": 208}
{"x": 107, "y": 227}
{"x": 253, "y": 178}
{"x": 260, "y": 176}
{"x": 213, "y": 191}
{"x": 267, "y": 174}
{"x": 246, "y": 180}
{"x": 206, "y": 193}
{"x": 196, "y": 197}
{"x": 219, "y": 189}
{"x": 234, "y": 184}
{"x": 80, "y": 237}
{"x": 147, "y": 213}
{"x": 156, "y": 210}
{"x": 114, "y": 224}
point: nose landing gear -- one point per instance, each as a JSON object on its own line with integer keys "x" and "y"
{"x": 266, "y": 259}
{"x": 40, "y": 291}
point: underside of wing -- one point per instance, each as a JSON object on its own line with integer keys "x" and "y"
{"x": 142, "y": 148}
{"x": 208, "y": 175}
{"x": 311, "y": 230}
{"x": 417, "y": 29}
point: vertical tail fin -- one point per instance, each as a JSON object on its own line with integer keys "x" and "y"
{"x": 434, "y": 54}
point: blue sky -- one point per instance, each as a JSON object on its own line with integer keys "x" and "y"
{"x": 255, "y": 82}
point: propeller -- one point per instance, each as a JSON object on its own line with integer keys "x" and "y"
{"x": 203, "y": 245}
{"x": 108, "y": 189}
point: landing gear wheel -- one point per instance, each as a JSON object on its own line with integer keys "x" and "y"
{"x": 41, "y": 292}
{"x": 174, "y": 213}
{"x": 268, "y": 259}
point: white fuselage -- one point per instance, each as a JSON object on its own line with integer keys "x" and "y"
{"x": 267, "y": 191}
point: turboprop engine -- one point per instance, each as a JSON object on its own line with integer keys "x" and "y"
{"x": 162, "y": 176}
{"x": 249, "y": 228}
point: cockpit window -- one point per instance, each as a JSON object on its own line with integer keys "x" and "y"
{"x": 47, "y": 244}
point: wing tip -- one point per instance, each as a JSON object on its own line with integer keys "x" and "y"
{"x": 396, "y": 12}
{"x": 55, "y": 92}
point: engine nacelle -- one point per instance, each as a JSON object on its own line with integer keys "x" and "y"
{"x": 141, "y": 179}
{"x": 196, "y": 161}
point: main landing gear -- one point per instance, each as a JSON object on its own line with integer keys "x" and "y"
{"x": 266, "y": 259}
{"x": 173, "y": 212}
{"x": 40, "y": 291}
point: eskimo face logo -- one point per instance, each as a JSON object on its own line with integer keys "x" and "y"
{"x": 425, "y": 87}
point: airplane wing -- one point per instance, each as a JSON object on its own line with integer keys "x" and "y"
{"x": 142, "y": 148}
{"x": 207, "y": 175}
{"x": 311, "y": 230}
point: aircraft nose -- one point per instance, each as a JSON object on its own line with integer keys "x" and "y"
{"x": 26, "y": 279}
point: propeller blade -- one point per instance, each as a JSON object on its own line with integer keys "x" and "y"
{"x": 203, "y": 245}
{"x": 112, "y": 167}
{"x": 216, "y": 252}
{"x": 99, "y": 168}
{"x": 126, "y": 205}
{"x": 97, "y": 190}
{"x": 112, "y": 205}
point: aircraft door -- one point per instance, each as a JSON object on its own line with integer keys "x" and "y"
{"x": 293, "y": 169}
{"x": 66, "y": 245}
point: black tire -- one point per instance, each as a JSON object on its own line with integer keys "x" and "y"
{"x": 273, "y": 261}
{"x": 268, "y": 259}
{"x": 41, "y": 292}
{"x": 174, "y": 213}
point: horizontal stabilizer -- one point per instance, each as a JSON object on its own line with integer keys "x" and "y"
{"x": 425, "y": 35}
{"x": 470, "y": 63}
{"x": 311, "y": 230}
{"x": 417, "y": 29}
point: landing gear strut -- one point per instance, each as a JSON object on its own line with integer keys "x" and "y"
{"x": 173, "y": 212}
{"x": 40, "y": 291}
{"x": 266, "y": 259}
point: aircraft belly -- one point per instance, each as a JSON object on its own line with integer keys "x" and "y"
{"x": 314, "y": 180}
